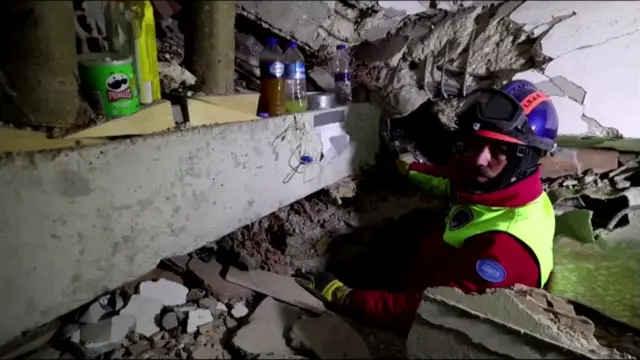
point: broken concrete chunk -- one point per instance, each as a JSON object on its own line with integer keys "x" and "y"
{"x": 217, "y": 308}
{"x": 105, "y": 335}
{"x": 229, "y": 322}
{"x": 170, "y": 321}
{"x": 210, "y": 352}
{"x": 329, "y": 337}
{"x": 168, "y": 292}
{"x": 184, "y": 308}
{"x": 104, "y": 305}
{"x": 196, "y": 318}
{"x": 568, "y": 161}
{"x": 196, "y": 294}
{"x": 267, "y": 325}
{"x": 30, "y": 341}
{"x": 46, "y": 352}
{"x": 278, "y": 357}
{"x": 239, "y": 310}
{"x": 145, "y": 310}
{"x": 221, "y": 289}
{"x": 152, "y": 275}
{"x": 283, "y": 288}
{"x": 138, "y": 348}
{"x": 502, "y": 323}
{"x": 206, "y": 328}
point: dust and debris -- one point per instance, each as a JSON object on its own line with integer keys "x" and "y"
{"x": 286, "y": 239}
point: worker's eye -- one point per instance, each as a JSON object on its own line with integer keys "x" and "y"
{"x": 499, "y": 151}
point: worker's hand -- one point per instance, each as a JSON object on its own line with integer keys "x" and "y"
{"x": 331, "y": 291}
{"x": 402, "y": 166}
{"x": 403, "y": 162}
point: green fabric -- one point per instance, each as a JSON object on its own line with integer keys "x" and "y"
{"x": 599, "y": 269}
{"x": 533, "y": 224}
{"x": 604, "y": 275}
{"x": 433, "y": 185}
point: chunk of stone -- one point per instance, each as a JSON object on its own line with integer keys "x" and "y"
{"x": 138, "y": 348}
{"x": 145, "y": 310}
{"x": 196, "y": 294}
{"x": 501, "y": 323}
{"x": 198, "y": 317}
{"x": 44, "y": 353}
{"x": 168, "y": 292}
{"x": 170, "y": 321}
{"x": 264, "y": 332}
{"x": 230, "y": 323}
{"x": 239, "y": 310}
{"x": 329, "y": 337}
{"x": 278, "y": 357}
{"x": 33, "y": 340}
{"x": 184, "y": 308}
{"x": 569, "y": 161}
{"x": 102, "y": 306}
{"x": 217, "y": 308}
{"x": 105, "y": 335}
{"x": 206, "y": 328}
{"x": 210, "y": 352}
{"x": 209, "y": 273}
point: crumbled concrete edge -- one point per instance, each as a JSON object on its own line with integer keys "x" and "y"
{"x": 502, "y": 324}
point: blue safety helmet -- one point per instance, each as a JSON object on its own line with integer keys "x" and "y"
{"x": 541, "y": 114}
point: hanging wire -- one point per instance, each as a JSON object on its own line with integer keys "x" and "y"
{"x": 304, "y": 154}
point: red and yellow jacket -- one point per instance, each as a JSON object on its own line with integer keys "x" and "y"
{"x": 477, "y": 257}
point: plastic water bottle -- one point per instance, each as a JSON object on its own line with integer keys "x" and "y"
{"x": 295, "y": 82}
{"x": 342, "y": 74}
{"x": 272, "y": 97}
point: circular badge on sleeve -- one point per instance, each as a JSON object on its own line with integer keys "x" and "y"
{"x": 491, "y": 271}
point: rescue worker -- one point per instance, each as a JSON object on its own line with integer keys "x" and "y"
{"x": 499, "y": 229}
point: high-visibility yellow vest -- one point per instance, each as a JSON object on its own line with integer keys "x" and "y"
{"x": 533, "y": 224}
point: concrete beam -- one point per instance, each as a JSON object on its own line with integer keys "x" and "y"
{"x": 78, "y": 222}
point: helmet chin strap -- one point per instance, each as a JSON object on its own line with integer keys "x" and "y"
{"x": 521, "y": 163}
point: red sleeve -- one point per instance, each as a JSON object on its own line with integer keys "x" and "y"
{"x": 429, "y": 169}
{"x": 490, "y": 260}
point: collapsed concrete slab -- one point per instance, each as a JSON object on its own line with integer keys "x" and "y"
{"x": 70, "y": 217}
{"x": 520, "y": 323}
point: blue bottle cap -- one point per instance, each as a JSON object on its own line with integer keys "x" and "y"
{"x": 306, "y": 159}
{"x": 292, "y": 44}
{"x": 272, "y": 42}
{"x": 263, "y": 115}
{"x": 341, "y": 47}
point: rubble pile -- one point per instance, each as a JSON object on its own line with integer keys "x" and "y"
{"x": 293, "y": 236}
{"x": 402, "y": 60}
{"x": 517, "y": 323}
{"x": 159, "y": 317}
{"x": 189, "y": 308}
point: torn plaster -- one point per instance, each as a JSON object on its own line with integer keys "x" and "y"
{"x": 570, "y": 113}
{"x": 610, "y": 76}
{"x": 594, "y": 62}
{"x": 410, "y": 7}
{"x": 569, "y": 89}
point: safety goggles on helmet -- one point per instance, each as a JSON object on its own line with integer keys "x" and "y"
{"x": 492, "y": 113}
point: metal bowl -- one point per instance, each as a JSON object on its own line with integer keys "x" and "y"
{"x": 320, "y": 100}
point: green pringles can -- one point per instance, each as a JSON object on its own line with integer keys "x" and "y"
{"x": 109, "y": 83}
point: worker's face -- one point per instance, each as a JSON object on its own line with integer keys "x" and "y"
{"x": 484, "y": 158}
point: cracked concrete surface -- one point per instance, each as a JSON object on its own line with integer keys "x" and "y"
{"x": 506, "y": 323}
{"x": 585, "y": 49}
